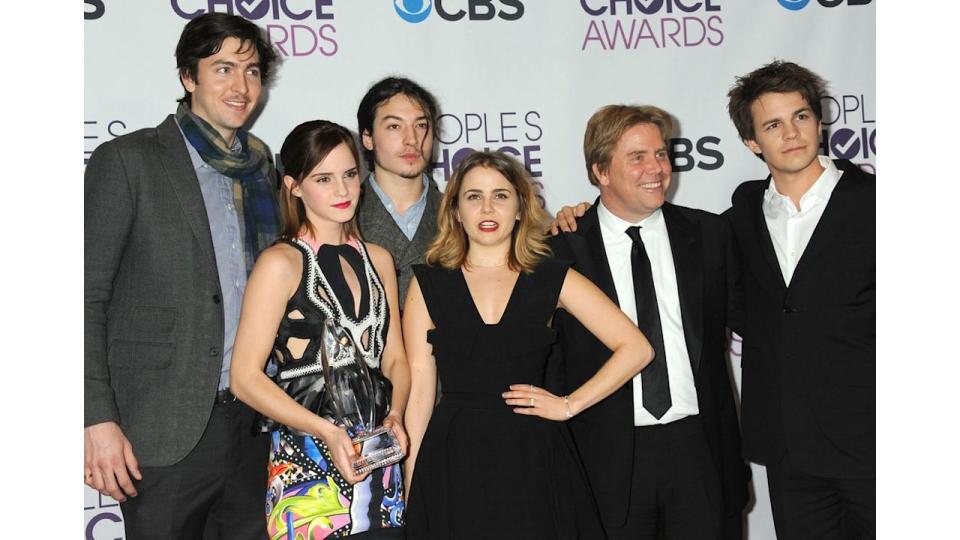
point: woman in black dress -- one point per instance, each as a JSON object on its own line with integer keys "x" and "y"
{"x": 321, "y": 270}
{"x": 494, "y": 460}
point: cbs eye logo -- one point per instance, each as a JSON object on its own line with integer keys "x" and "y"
{"x": 794, "y": 5}
{"x": 797, "y": 5}
{"x": 413, "y": 11}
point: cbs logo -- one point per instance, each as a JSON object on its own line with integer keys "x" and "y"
{"x": 797, "y": 5}
{"x": 415, "y": 11}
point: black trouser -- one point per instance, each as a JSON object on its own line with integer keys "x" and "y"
{"x": 217, "y": 491}
{"x": 812, "y": 507}
{"x": 676, "y": 492}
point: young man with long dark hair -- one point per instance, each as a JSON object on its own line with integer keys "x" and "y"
{"x": 397, "y": 122}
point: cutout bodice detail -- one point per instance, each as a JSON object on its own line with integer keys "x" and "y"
{"x": 323, "y": 294}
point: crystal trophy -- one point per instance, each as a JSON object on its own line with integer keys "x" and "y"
{"x": 354, "y": 401}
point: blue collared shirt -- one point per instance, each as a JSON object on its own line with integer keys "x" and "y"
{"x": 409, "y": 220}
{"x": 226, "y": 230}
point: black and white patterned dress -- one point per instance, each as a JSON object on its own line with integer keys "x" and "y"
{"x": 307, "y": 495}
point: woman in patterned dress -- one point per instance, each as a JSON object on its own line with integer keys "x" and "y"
{"x": 320, "y": 269}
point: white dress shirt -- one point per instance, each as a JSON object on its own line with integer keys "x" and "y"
{"x": 653, "y": 232}
{"x": 790, "y": 229}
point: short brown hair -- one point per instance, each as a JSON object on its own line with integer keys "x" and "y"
{"x": 303, "y": 149}
{"x": 778, "y": 77}
{"x": 608, "y": 124}
{"x": 528, "y": 243}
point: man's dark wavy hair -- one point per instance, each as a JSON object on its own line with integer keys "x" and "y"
{"x": 203, "y": 37}
{"x": 383, "y": 90}
{"x": 778, "y": 77}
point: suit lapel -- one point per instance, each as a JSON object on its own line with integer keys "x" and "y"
{"x": 599, "y": 270}
{"x": 426, "y": 229}
{"x": 383, "y": 229}
{"x": 829, "y": 227}
{"x": 687, "y": 245}
{"x": 176, "y": 163}
{"x": 763, "y": 235}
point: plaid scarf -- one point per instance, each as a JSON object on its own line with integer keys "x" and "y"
{"x": 251, "y": 171}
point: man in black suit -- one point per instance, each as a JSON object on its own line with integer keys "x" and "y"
{"x": 173, "y": 219}
{"x": 662, "y": 454}
{"x": 807, "y": 314}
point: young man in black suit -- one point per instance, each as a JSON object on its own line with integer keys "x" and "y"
{"x": 807, "y": 241}
{"x": 662, "y": 454}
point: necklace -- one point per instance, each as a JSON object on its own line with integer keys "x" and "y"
{"x": 486, "y": 265}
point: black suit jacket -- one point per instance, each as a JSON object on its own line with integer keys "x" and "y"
{"x": 604, "y": 433}
{"x": 809, "y": 350}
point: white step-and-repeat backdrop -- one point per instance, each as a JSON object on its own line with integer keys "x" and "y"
{"x": 517, "y": 75}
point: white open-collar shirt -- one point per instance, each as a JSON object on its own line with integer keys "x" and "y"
{"x": 790, "y": 229}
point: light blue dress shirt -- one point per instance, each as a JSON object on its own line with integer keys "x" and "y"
{"x": 409, "y": 220}
{"x": 227, "y": 232}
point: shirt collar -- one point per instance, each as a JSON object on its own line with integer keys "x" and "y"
{"x": 819, "y": 191}
{"x": 386, "y": 200}
{"x": 617, "y": 227}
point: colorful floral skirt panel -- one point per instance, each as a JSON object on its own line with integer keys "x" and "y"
{"x": 308, "y": 499}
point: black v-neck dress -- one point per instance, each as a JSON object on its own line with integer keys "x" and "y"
{"x": 484, "y": 471}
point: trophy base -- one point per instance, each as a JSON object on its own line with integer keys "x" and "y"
{"x": 377, "y": 448}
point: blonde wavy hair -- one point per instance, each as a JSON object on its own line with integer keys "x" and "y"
{"x": 529, "y": 238}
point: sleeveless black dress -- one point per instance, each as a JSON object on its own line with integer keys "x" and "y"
{"x": 484, "y": 471}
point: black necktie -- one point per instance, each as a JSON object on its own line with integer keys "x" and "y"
{"x": 656, "y": 384}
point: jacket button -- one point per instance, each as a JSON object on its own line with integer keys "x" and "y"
{"x": 790, "y": 309}
{"x": 214, "y": 351}
{"x": 216, "y": 299}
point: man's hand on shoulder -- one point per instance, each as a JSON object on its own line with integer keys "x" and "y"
{"x": 566, "y": 219}
{"x": 107, "y": 459}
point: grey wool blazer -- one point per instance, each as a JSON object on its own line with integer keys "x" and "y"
{"x": 152, "y": 313}
{"x": 378, "y": 227}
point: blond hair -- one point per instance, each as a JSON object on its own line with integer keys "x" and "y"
{"x": 528, "y": 241}
{"x": 608, "y": 124}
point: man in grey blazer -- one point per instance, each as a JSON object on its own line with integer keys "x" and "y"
{"x": 396, "y": 121}
{"x": 173, "y": 218}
